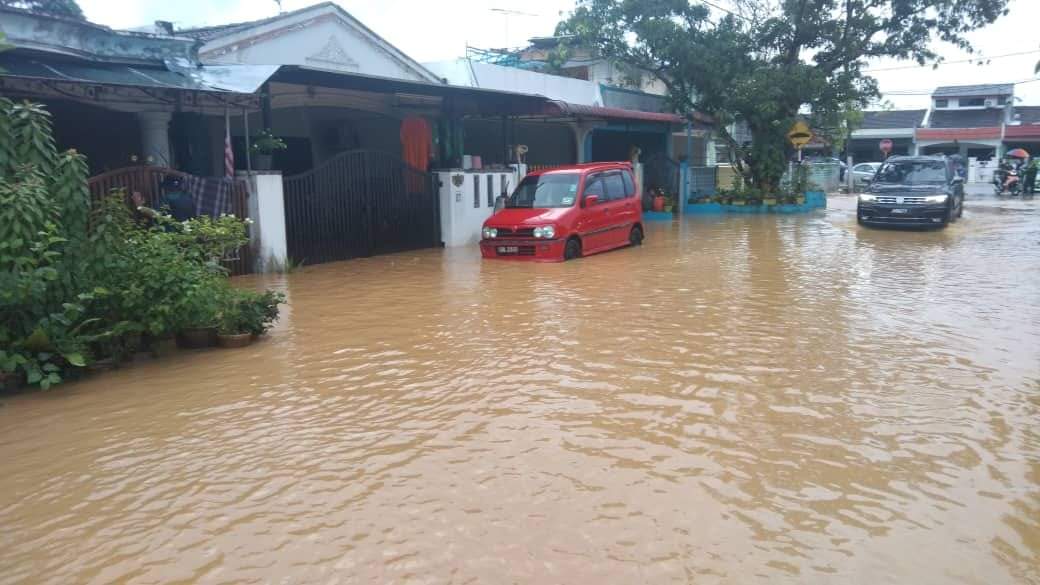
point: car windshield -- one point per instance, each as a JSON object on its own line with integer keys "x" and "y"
{"x": 551, "y": 190}
{"x": 912, "y": 172}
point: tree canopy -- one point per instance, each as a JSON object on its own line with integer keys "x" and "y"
{"x": 66, "y": 8}
{"x": 764, "y": 61}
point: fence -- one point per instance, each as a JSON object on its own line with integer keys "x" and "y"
{"x": 146, "y": 180}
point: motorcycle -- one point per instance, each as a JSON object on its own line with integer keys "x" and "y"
{"x": 1007, "y": 180}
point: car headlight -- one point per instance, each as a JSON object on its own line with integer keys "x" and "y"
{"x": 936, "y": 198}
{"x": 867, "y": 197}
{"x": 489, "y": 233}
{"x": 547, "y": 232}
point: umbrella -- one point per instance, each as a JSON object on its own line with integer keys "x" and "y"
{"x": 1018, "y": 153}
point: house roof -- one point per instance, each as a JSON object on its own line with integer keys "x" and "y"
{"x": 974, "y": 90}
{"x": 891, "y": 119}
{"x": 966, "y": 118}
{"x": 1028, "y": 114}
{"x": 214, "y": 34}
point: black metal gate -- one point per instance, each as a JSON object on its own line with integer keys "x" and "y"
{"x": 661, "y": 172}
{"x": 359, "y": 203}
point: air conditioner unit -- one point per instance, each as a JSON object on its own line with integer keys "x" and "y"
{"x": 990, "y": 103}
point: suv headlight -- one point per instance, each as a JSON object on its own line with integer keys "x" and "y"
{"x": 936, "y": 198}
{"x": 547, "y": 232}
{"x": 489, "y": 233}
{"x": 867, "y": 197}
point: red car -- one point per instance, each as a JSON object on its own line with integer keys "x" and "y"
{"x": 565, "y": 213}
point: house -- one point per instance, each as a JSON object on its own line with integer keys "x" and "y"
{"x": 898, "y": 126}
{"x": 968, "y": 120}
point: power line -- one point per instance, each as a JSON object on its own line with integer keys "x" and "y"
{"x": 901, "y": 67}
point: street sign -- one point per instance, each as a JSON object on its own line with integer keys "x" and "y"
{"x": 885, "y": 145}
{"x": 799, "y": 135}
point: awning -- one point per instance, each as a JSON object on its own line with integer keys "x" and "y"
{"x": 581, "y": 110}
{"x": 243, "y": 79}
{"x": 463, "y": 100}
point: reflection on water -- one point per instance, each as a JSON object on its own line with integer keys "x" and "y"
{"x": 742, "y": 399}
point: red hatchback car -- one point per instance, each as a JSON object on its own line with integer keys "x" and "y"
{"x": 567, "y": 212}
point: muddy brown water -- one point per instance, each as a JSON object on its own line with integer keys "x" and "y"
{"x": 743, "y": 399}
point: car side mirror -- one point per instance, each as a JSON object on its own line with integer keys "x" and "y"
{"x": 591, "y": 200}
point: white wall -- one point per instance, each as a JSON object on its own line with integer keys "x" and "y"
{"x": 464, "y": 208}
{"x": 472, "y": 74}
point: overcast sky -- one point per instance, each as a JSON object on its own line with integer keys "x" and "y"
{"x": 434, "y": 31}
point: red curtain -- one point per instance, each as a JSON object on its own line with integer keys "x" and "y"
{"x": 416, "y": 142}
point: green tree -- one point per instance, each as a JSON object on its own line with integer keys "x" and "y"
{"x": 765, "y": 61}
{"x": 66, "y": 8}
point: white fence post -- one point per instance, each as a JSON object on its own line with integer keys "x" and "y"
{"x": 267, "y": 210}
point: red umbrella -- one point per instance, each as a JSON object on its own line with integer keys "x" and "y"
{"x": 1018, "y": 153}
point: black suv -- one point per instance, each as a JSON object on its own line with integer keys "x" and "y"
{"x": 913, "y": 191}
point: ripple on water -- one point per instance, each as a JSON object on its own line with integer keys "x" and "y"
{"x": 742, "y": 399}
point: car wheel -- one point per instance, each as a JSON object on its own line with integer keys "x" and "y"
{"x": 635, "y": 237}
{"x": 572, "y": 250}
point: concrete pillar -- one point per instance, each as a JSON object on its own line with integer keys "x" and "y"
{"x": 267, "y": 210}
{"x": 709, "y": 150}
{"x": 155, "y": 138}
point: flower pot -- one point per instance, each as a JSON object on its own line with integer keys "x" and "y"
{"x": 769, "y": 201}
{"x": 159, "y": 347}
{"x": 10, "y": 381}
{"x": 658, "y": 203}
{"x": 197, "y": 337}
{"x": 104, "y": 365}
{"x": 234, "y": 339}
{"x": 262, "y": 162}
{"x": 667, "y": 208}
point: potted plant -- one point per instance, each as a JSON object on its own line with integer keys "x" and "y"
{"x": 246, "y": 315}
{"x": 199, "y": 312}
{"x": 659, "y": 201}
{"x": 233, "y": 329}
{"x": 262, "y": 147}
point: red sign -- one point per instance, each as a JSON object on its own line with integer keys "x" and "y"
{"x": 885, "y": 146}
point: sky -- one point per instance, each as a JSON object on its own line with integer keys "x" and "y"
{"x": 437, "y": 31}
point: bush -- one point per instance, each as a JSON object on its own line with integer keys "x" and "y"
{"x": 249, "y": 312}
{"x": 81, "y": 283}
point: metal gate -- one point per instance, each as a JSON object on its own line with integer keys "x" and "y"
{"x": 359, "y": 203}
{"x": 661, "y": 172}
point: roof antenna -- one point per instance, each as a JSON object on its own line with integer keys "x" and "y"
{"x": 279, "y": 3}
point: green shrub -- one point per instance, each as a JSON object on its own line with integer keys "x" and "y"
{"x": 81, "y": 282}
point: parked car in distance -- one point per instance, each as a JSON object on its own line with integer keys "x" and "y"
{"x": 863, "y": 174}
{"x": 565, "y": 213}
{"x": 913, "y": 191}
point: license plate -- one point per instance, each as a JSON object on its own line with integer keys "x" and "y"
{"x": 895, "y": 211}
{"x": 508, "y": 249}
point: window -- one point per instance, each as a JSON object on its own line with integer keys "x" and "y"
{"x": 942, "y": 103}
{"x": 972, "y": 102}
{"x": 615, "y": 186}
{"x": 1002, "y": 100}
{"x": 594, "y": 186}
{"x": 630, "y": 186}
{"x": 912, "y": 173}
{"x": 541, "y": 191}
{"x": 476, "y": 192}
{"x": 491, "y": 191}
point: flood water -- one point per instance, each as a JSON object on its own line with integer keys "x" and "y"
{"x": 741, "y": 400}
